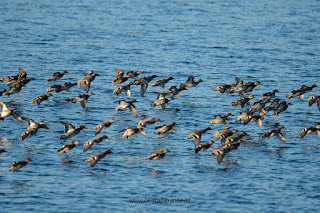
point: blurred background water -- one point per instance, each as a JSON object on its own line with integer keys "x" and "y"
{"x": 274, "y": 42}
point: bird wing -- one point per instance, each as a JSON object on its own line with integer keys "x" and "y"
{"x": 143, "y": 89}
{"x": 3, "y": 106}
{"x": 83, "y": 103}
{"x": 67, "y": 126}
{"x": 133, "y": 110}
{"x": 281, "y": 137}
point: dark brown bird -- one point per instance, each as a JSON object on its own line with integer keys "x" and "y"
{"x": 203, "y": 147}
{"x": 274, "y": 132}
{"x": 162, "y": 82}
{"x": 19, "y": 164}
{"x": 309, "y": 130}
{"x": 56, "y": 76}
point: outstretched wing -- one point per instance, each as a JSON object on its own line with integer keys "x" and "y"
{"x": 67, "y": 126}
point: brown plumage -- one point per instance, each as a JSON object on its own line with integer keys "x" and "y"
{"x": 32, "y": 128}
{"x": 158, "y": 154}
{"x": 56, "y": 76}
{"x": 41, "y": 98}
{"x": 82, "y": 98}
{"x": 68, "y": 146}
{"x": 103, "y": 125}
{"x": 19, "y": 164}
{"x": 93, "y": 159}
{"x": 94, "y": 141}
{"x": 165, "y": 128}
{"x": 203, "y": 147}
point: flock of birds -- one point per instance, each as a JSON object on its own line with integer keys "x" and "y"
{"x": 230, "y": 139}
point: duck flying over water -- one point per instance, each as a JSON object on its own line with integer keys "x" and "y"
{"x": 94, "y": 141}
{"x": 83, "y": 99}
{"x": 41, "y": 98}
{"x": 86, "y": 80}
{"x": 309, "y": 130}
{"x": 190, "y": 82}
{"x": 32, "y": 128}
{"x": 21, "y": 75}
{"x": 93, "y": 159}
{"x": 314, "y": 99}
{"x": 197, "y": 135}
{"x": 165, "y": 128}
{"x": 56, "y": 76}
{"x": 143, "y": 82}
{"x": 147, "y": 122}
{"x": 131, "y": 131}
{"x": 203, "y": 147}
{"x": 162, "y": 102}
{"x": 162, "y": 82}
{"x": 124, "y": 104}
{"x": 301, "y": 91}
{"x": 68, "y": 146}
{"x": 242, "y": 101}
{"x": 5, "y": 112}
{"x": 158, "y": 154}
{"x": 125, "y": 88}
{"x": 70, "y": 130}
{"x": 224, "y": 133}
{"x": 221, "y": 119}
{"x": 268, "y": 95}
{"x": 19, "y": 164}
{"x": 281, "y": 107}
{"x": 274, "y": 132}
{"x": 103, "y": 125}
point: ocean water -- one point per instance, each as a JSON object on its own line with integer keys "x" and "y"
{"x": 274, "y": 42}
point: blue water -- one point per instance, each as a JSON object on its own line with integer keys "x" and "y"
{"x": 274, "y": 42}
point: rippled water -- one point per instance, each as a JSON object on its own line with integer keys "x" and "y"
{"x": 274, "y": 42}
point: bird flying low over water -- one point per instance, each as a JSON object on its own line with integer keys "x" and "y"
{"x": 221, "y": 119}
{"x": 32, "y": 128}
{"x": 165, "y": 128}
{"x": 158, "y": 154}
{"x": 68, "y": 146}
{"x": 93, "y": 159}
{"x": 131, "y": 131}
{"x": 103, "y": 125}
{"x": 19, "y": 164}
{"x": 275, "y": 132}
{"x": 143, "y": 82}
{"x": 87, "y": 79}
{"x": 83, "y": 99}
{"x": 70, "y": 130}
{"x": 41, "y": 98}
{"x": 5, "y": 112}
{"x": 56, "y": 76}
{"x": 94, "y": 141}
{"x": 197, "y": 135}
{"x": 124, "y": 104}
